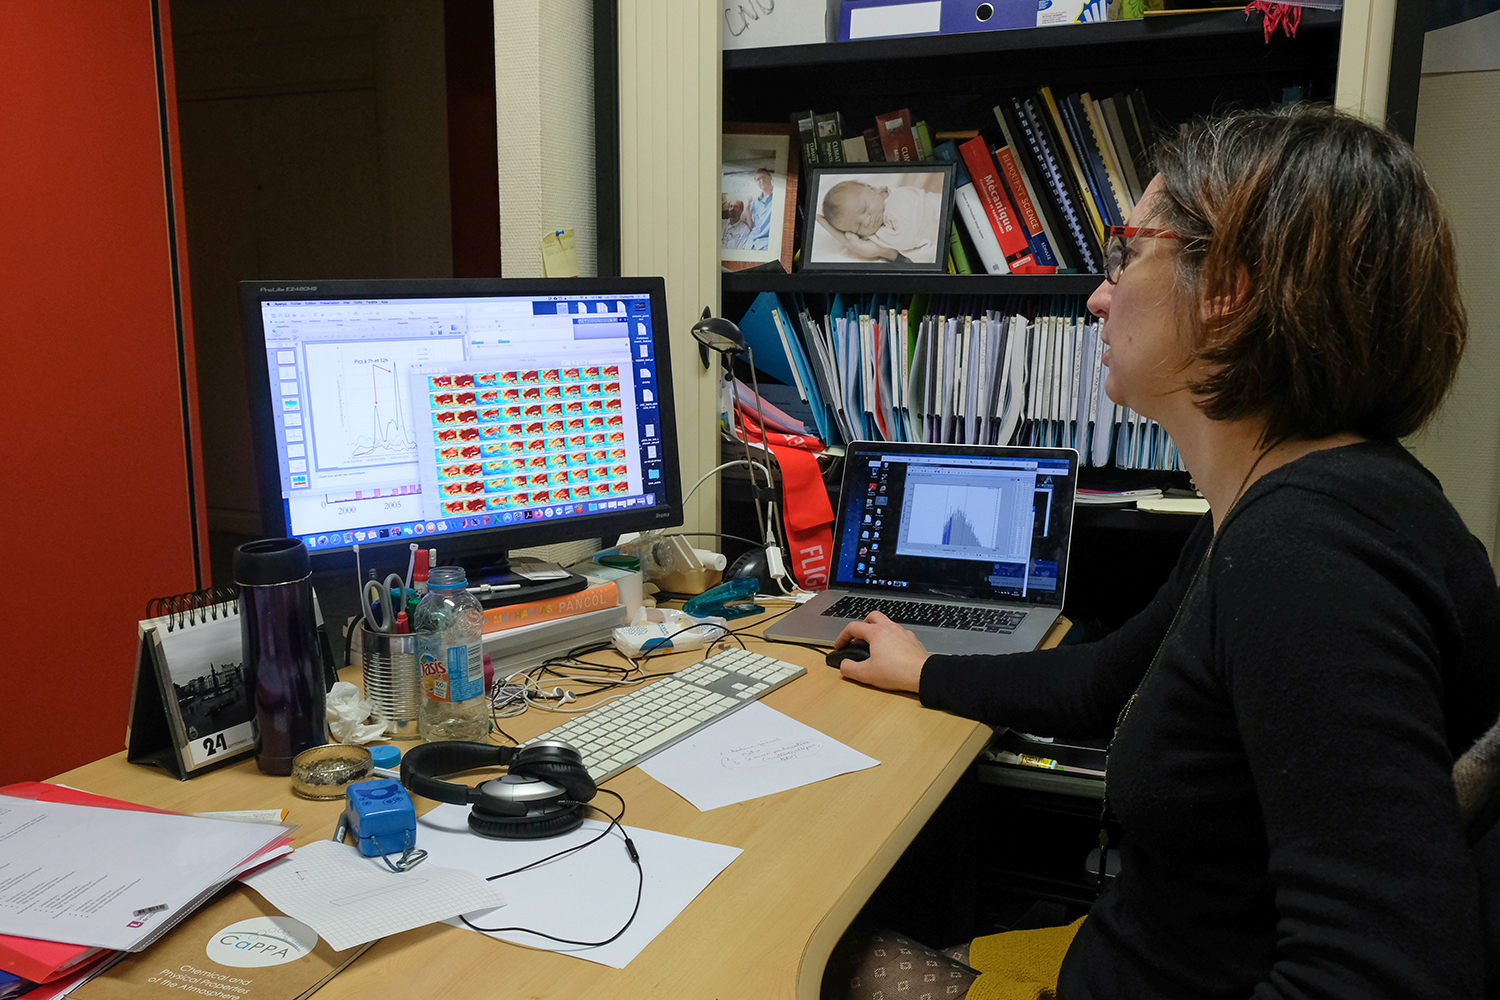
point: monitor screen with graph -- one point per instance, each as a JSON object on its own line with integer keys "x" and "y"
{"x": 471, "y": 415}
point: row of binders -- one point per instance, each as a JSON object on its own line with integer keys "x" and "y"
{"x": 981, "y": 371}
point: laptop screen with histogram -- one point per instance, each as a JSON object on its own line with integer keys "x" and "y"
{"x": 984, "y": 525}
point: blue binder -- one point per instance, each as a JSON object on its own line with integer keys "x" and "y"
{"x": 860, "y": 19}
{"x": 759, "y": 329}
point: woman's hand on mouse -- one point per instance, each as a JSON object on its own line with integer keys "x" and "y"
{"x": 896, "y": 655}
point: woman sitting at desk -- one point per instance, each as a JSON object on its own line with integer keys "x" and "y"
{"x": 1286, "y": 712}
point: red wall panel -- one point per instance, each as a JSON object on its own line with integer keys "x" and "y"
{"x": 97, "y": 516}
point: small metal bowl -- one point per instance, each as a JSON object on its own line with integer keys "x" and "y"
{"x": 325, "y": 772}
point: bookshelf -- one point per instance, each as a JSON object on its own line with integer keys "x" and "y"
{"x": 1184, "y": 64}
{"x": 748, "y": 283}
{"x": 663, "y": 88}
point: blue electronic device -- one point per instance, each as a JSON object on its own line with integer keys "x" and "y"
{"x": 381, "y": 817}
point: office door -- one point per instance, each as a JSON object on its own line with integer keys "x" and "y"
{"x": 102, "y": 508}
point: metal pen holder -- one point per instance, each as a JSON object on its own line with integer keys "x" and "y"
{"x": 391, "y": 679}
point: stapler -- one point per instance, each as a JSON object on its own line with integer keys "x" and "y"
{"x": 727, "y": 600}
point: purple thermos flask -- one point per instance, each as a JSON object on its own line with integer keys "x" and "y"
{"x": 283, "y": 662}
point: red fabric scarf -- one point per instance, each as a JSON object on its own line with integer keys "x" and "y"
{"x": 806, "y": 512}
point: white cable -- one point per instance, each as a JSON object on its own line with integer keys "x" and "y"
{"x": 531, "y": 694}
{"x": 727, "y": 465}
{"x": 772, "y": 521}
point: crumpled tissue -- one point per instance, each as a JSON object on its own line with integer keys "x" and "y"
{"x": 347, "y": 713}
{"x": 653, "y": 628}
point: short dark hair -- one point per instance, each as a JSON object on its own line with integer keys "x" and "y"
{"x": 1351, "y": 320}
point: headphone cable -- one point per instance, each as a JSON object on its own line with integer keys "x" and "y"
{"x": 614, "y": 823}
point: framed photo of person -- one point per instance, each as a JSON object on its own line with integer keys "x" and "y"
{"x": 757, "y": 196}
{"x": 878, "y": 217}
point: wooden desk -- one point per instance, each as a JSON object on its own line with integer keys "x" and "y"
{"x": 763, "y": 929}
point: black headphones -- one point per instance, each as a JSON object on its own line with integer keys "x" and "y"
{"x": 542, "y": 794}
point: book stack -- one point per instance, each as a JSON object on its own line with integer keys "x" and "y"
{"x": 892, "y": 138}
{"x": 1084, "y": 161}
{"x": 528, "y": 633}
{"x": 1038, "y": 192}
{"x": 107, "y": 878}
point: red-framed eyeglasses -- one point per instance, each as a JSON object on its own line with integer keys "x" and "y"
{"x": 1114, "y": 246}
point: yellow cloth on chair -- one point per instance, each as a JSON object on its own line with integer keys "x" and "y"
{"x": 1020, "y": 965}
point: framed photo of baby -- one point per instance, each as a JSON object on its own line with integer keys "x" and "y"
{"x": 878, "y": 217}
{"x": 757, "y": 196}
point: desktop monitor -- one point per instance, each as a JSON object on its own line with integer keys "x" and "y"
{"x": 471, "y": 415}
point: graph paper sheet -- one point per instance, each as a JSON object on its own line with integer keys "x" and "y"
{"x": 350, "y": 899}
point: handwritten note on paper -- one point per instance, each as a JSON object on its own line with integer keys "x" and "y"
{"x": 769, "y": 752}
{"x": 753, "y": 752}
{"x": 752, "y": 24}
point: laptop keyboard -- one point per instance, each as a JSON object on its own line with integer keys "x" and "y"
{"x": 932, "y": 614}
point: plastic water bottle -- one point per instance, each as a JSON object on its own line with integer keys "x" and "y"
{"x": 449, "y": 623}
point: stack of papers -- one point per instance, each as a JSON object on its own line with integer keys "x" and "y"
{"x": 78, "y": 880}
{"x": 1174, "y": 505}
{"x": 1114, "y": 498}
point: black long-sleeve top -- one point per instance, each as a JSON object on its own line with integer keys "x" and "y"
{"x": 1282, "y": 777}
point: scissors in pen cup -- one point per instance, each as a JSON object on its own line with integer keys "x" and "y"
{"x": 383, "y": 601}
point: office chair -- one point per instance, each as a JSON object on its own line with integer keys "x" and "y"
{"x": 1476, "y": 779}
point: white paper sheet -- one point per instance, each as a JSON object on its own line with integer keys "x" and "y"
{"x": 111, "y": 878}
{"x": 583, "y": 896}
{"x": 350, "y": 899}
{"x": 749, "y": 753}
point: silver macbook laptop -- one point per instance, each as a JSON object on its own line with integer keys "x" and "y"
{"x": 966, "y": 545}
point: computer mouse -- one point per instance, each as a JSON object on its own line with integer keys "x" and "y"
{"x": 857, "y": 649}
